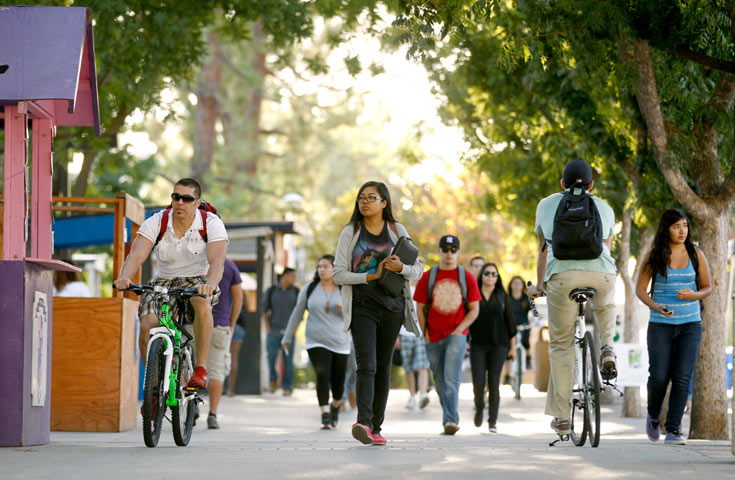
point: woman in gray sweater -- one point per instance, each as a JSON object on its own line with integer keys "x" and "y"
{"x": 327, "y": 344}
{"x": 372, "y": 314}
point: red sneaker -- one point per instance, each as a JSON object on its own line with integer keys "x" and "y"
{"x": 200, "y": 379}
{"x": 378, "y": 440}
{"x": 362, "y": 433}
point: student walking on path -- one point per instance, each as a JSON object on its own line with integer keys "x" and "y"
{"x": 327, "y": 344}
{"x": 680, "y": 281}
{"x": 373, "y": 315}
{"x": 492, "y": 336}
{"x": 448, "y": 302}
{"x": 277, "y": 304}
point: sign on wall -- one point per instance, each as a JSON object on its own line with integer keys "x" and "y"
{"x": 40, "y": 350}
{"x": 632, "y": 360}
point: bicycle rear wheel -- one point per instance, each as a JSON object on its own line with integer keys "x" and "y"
{"x": 592, "y": 389}
{"x": 154, "y": 402}
{"x": 182, "y": 415}
{"x": 579, "y": 410}
{"x": 517, "y": 373}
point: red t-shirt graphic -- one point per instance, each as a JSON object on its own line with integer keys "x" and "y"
{"x": 447, "y": 310}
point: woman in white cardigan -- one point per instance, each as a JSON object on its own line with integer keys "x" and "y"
{"x": 372, "y": 315}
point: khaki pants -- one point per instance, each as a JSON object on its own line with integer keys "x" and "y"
{"x": 562, "y": 322}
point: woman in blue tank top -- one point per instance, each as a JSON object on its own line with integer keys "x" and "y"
{"x": 680, "y": 281}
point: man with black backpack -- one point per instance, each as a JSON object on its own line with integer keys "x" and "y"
{"x": 277, "y": 303}
{"x": 190, "y": 244}
{"x": 448, "y": 301}
{"x": 575, "y": 232}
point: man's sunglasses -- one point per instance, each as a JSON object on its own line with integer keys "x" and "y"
{"x": 185, "y": 198}
{"x": 450, "y": 249}
{"x": 488, "y": 273}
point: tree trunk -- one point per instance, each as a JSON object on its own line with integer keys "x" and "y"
{"x": 711, "y": 208}
{"x": 632, "y": 402}
{"x": 207, "y": 110}
{"x": 709, "y": 403}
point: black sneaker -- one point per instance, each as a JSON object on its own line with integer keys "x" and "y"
{"x": 333, "y": 415}
{"x": 478, "y": 416}
{"x": 608, "y": 365}
{"x": 506, "y": 380}
{"x": 326, "y": 421}
{"x": 212, "y": 421}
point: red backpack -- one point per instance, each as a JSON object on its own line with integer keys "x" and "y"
{"x": 204, "y": 207}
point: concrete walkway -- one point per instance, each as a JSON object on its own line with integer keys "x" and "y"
{"x": 275, "y": 437}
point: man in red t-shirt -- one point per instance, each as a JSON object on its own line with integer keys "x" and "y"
{"x": 445, "y": 325}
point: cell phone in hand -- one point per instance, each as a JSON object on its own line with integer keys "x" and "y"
{"x": 666, "y": 310}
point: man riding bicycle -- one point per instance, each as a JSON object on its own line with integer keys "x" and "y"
{"x": 190, "y": 252}
{"x": 573, "y": 217}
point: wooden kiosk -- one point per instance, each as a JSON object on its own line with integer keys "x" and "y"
{"x": 94, "y": 386}
{"x": 48, "y": 79}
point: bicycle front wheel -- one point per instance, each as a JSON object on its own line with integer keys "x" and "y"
{"x": 592, "y": 389}
{"x": 517, "y": 373}
{"x": 182, "y": 415}
{"x": 154, "y": 402}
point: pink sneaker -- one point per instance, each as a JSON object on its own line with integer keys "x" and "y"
{"x": 362, "y": 434}
{"x": 378, "y": 440}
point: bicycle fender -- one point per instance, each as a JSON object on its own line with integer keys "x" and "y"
{"x": 162, "y": 332}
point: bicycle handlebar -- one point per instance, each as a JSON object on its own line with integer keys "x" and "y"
{"x": 186, "y": 292}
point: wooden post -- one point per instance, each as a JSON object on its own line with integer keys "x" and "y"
{"x": 118, "y": 247}
{"x": 14, "y": 214}
{"x": 41, "y": 235}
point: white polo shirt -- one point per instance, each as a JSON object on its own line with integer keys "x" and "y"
{"x": 185, "y": 256}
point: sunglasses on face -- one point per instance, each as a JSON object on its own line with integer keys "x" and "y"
{"x": 185, "y": 198}
{"x": 368, "y": 199}
{"x": 488, "y": 273}
{"x": 450, "y": 249}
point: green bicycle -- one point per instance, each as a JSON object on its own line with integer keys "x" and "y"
{"x": 169, "y": 367}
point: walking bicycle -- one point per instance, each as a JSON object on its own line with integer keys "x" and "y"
{"x": 169, "y": 368}
{"x": 587, "y": 381}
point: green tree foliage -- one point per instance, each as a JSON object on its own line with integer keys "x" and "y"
{"x": 584, "y": 62}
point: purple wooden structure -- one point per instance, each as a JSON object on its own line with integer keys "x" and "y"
{"x": 47, "y": 79}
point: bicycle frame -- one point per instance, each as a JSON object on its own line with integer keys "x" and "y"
{"x": 580, "y": 330}
{"x": 170, "y": 332}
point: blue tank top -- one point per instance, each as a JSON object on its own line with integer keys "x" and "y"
{"x": 664, "y": 292}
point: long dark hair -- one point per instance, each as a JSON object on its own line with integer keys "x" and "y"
{"x": 498, "y": 284}
{"x": 660, "y": 256}
{"x": 324, "y": 257}
{"x": 523, "y": 285}
{"x": 357, "y": 216}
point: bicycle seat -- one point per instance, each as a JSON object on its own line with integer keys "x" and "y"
{"x": 579, "y": 295}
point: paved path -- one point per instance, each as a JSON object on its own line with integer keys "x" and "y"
{"x": 272, "y": 437}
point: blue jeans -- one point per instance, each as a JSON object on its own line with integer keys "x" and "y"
{"x": 272, "y": 346}
{"x": 672, "y": 351}
{"x": 445, "y": 358}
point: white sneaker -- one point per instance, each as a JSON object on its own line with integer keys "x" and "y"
{"x": 411, "y": 403}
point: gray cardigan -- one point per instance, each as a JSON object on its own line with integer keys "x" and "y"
{"x": 343, "y": 275}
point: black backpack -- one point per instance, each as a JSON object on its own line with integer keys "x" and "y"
{"x": 577, "y": 228}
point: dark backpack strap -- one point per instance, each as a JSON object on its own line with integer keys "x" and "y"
{"x": 392, "y": 226}
{"x": 430, "y": 289}
{"x": 309, "y": 290}
{"x": 461, "y": 272}
{"x": 269, "y": 296}
{"x": 164, "y": 224}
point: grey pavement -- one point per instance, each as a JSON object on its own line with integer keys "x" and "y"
{"x": 276, "y": 437}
